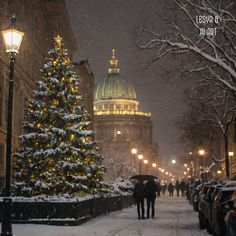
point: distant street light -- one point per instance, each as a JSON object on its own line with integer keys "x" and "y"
{"x": 146, "y": 163}
{"x": 173, "y": 161}
{"x": 134, "y": 152}
{"x": 140, "y": 157}
{"x": 201, "y": 152}
{"x": 12, "y": 38}
{"x": 231, "y": 153}
{"x": 185, "y": 165}
{"x": 154, "y": 165}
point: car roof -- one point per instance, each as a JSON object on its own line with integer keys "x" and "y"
{"x": 231, "y": 188}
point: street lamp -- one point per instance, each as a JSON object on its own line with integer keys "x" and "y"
{"x": 231, "y": 154}
{"x": 145, "y": 162}
{"x": 12, "y": 38}
{"x": 134, "y": 152}
{"x": 201, "y": 152}
{"x": 140, "y": 157}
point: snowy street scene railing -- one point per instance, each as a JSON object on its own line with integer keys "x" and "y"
{"x": 64, "y": 212}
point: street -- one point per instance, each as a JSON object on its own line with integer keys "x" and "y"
{"x": 174, "y": 217}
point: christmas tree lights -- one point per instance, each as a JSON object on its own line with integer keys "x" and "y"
{"x": 57, "y": 154}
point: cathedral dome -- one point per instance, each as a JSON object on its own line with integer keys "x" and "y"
{"x": 114, "y": 86}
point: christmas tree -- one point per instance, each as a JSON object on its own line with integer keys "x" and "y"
{"x": 57, "y": 154}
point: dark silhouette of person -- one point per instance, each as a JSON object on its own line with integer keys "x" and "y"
{"x": 177, "y": 187}
{"x": 139, "y": 195}
{"x": 150, "y": 190}
{"x": 182, "y": 188}
{"x": 158, "y": 189}
{"x": 171, "y": 189}
{"x": 163, "y": 188}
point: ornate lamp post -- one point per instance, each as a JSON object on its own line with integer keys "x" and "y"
{"x": 134, "y": 152}
{"x": 146, "y": 163}
{"x": 12, "y": 38}
{"x": 201, "y": 152}
{"x": 231, "y": 154}
{"x": 140, "y": 157}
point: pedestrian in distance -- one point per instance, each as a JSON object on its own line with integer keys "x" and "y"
{"x": 177, "y": 187}
{"x": 158, "y": 189}
{"x": 171, "y": 189}
{"x": 182, "y": 188}
{"x": 150, "y": 191}
{"x": 163, "y": 189}
{"x": 139, "y": 195}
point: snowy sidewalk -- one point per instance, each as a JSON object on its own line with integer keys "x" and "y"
{"x": 174, "y": 217}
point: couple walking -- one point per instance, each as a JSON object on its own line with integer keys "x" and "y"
{"x": 147, "y": 191}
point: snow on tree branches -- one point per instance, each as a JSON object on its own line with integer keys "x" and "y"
{"x": 57, "y": 154}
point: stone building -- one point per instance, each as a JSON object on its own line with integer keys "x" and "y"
{"x": 85, "y": 73}
{"x": 120, "y": 125}
{"x": 40, "y": 21}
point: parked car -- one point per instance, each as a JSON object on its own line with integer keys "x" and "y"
{"x": 230, "y": 218}
{"x": 202, "y": 204}
{"x": 211, "y": 193}
{"x": 219, "y": 210}
{"x": 195, "y": 197}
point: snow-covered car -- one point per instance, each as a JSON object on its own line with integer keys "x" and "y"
{"x": 219, "y": 210}
{"x": 211, "y": 193}
{"x": 202, "y": 204}
{"x": 230, "y": 218}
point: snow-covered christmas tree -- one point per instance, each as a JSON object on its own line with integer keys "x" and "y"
{"x": 57, "y": 154}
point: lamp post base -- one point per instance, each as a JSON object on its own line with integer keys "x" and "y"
{"x": 6, "y": 217}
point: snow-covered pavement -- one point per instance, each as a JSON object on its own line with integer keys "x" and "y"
{"x": 174, "y": 217}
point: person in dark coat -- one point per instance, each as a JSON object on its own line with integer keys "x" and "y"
{"x": 182, "y": 188}
{"x": 163, "y": 189}
{"x": 171, "y": 189}
{"x": 139, "y": 195}
{"x": 177, "y": 187}
{"x": 150, "y": 190}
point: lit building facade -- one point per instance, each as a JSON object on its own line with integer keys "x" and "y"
{"x": 120, "y": 125}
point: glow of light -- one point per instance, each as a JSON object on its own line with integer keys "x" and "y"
{"x": 173, "y": 161}
{"x": 185, "y": 173}
{"x": 118, "y": 132}
{"x": 140, "y": 156}
{"x": 145, "y": 161}
{"x": 201, "y": 152}
{"x": 231, "y": 153}
{"x": 134, "y": 150}
{"x": 185, "y": 165}
{"x": 154, "y": 165}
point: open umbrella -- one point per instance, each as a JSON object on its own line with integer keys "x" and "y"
{"x": 144, "y": 177}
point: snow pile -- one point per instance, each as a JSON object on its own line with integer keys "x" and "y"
{"x": 123, "y": 187}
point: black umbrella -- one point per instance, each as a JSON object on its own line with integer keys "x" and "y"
{"x": 144, "y": 177}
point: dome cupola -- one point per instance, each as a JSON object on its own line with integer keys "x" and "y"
{"x": 114, "y": 86}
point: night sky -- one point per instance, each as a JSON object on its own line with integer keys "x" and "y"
{"x": 101, "y": 25}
